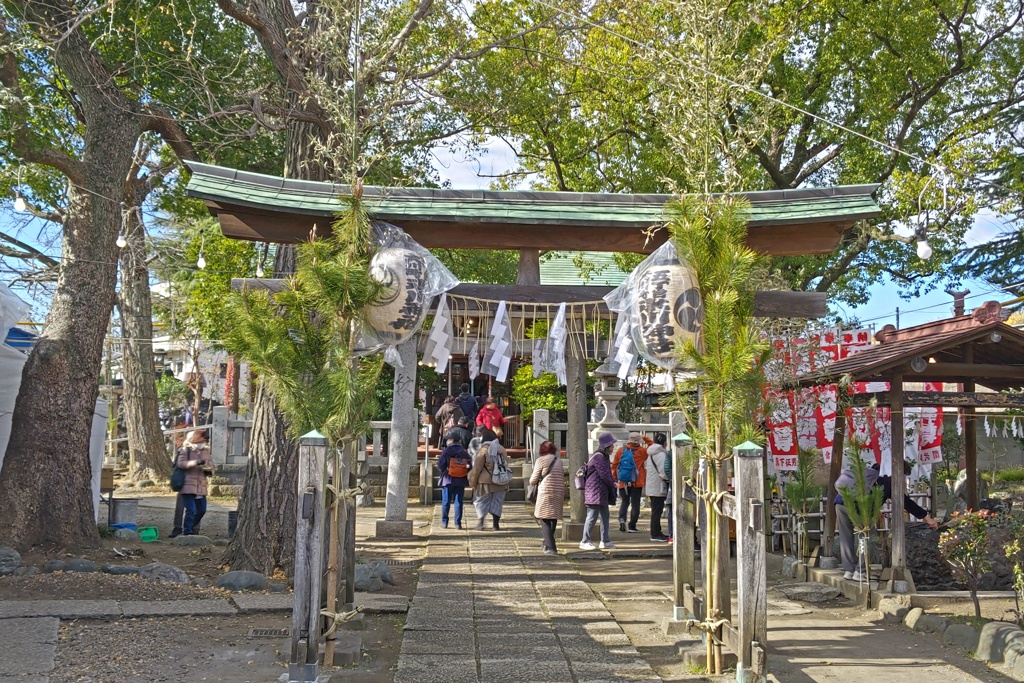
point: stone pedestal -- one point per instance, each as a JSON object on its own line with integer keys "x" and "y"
{"x": 608, "y": 395}
{"x": 572, "y": 531}
{"x": 401, "y": 528}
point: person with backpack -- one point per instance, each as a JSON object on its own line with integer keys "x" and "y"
{"x": 446, "y": 417}
{"x": 598, "y": 492}
{"x": 549, "y": 478}
{"x": 489, "y": 477}
{"x": 630, "y": 476}
{"x": 656, "y": 484}
{"x": 194, "y": 457}
{"x": 454, "y": 465}
{"x": 467, "y": 403}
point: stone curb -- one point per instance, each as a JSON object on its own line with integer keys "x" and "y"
{"x": 176, "y": 608}
{"x": 997, "y": 642}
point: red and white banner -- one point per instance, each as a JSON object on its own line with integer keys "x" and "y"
{"x": 806, "y": 418}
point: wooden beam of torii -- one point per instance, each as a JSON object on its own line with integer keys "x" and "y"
{"x": 766, "y": 304}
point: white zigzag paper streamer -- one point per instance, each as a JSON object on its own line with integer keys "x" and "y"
{"x": 438, "y": 348}
{"x": 555, "y": 356}
{"x": 474, "y": 361}
{"x": 498, "y": 356}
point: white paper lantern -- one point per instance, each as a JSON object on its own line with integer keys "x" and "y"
{"x": 668, "y": 312}
{"x": 401, "y": 306}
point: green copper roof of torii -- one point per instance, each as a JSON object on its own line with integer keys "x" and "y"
{"x": 272, "y": 193}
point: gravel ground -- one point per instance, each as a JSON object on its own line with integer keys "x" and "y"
{"x": 180, "y": 649}
{"x": 97, "y": 586}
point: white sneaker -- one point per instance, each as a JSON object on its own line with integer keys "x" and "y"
{"x": 589, "y": 546}
{"x": 858, "y": 577}
{"x": 607, "y": 545}
{"x": 848, "y": 576}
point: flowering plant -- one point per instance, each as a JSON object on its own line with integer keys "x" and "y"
{"x": 966, "y": 545}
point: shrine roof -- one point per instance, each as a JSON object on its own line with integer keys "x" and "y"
{"x": 263, "y": 207}
{"x": 979, "y": 347}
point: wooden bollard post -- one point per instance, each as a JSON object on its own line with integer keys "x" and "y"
{"x": 751, "y": 582}
{"x": 303, "y": 665}
{"x": 683, "y": 520}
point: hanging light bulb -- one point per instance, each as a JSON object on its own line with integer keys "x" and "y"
{"x": 201, "y": 263}
{"x": 924, "y": 250}
{"x": 259, "y": 270}
{"x": 19, "y": 204}
{"x": 121, "y": 241}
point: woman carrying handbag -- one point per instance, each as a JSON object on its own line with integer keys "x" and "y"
{"x": 547, "y": 486}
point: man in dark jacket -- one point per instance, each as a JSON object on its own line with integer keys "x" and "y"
{"x": 853, "y": 569}
{"x": 598, "y": 492}
{"x": 462, "y": 431}
{"x": 467, "y": 402}
{"x": 454, "y": 465}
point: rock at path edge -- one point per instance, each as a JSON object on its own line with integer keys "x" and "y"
{"x": 163, "y": 572}
{"x": 10, "y": 560}
{"x": 383, "y": 571}
{"x": 119, "y": 569}
{"x": 194, "y": 541}
{"x": 242, "y": 581}
{"x": 996, "y": 638}
{"x": 367, "y": 579}
{"x": 51, "y": 566}
{"x": 809, "y": 592}
{"x": 961, "y": 635}
{"x": 129, "y": 535}
{"x": 81, "y": 565}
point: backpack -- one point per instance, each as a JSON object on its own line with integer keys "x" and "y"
{"x": 627, "y": 467}
{"x": 580, "y": 480}
{"x": 501, "y": 475}
{"x": 177, "y": 476}
{"x": 458, "y": 468}
{"x": 468, "y": 406}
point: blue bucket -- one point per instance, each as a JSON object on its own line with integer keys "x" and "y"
{"x": 133, "y": 527}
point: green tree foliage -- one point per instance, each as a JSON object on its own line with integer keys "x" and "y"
{"x": 487, "y": 266}
{"x": 598, "y": 100}
{"x": 967, "y": 545}
{"x": 197, "y": 299}
{"x": 302, "y": 340}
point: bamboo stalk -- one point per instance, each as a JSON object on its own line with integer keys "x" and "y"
{"x": 332, "y": 556}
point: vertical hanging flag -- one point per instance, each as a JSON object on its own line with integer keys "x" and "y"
{"x": 988, "y": 428}
{"x": 474, "y": 361}
{"x": 439, "y": 341}
{"x": 498, "y": 356}
{"x": 555, "y": 356}
{"x": 625, "y": 359}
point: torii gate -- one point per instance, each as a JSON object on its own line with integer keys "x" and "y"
{"x": 266, "y": 208}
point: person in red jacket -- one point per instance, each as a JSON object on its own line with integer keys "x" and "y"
{"x": 490, "y": 416}
{"x": 630, "y": 491}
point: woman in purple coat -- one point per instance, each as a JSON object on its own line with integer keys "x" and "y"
{"x": 600, "y": 489}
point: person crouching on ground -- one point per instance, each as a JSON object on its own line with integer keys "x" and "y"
{"x": 194, "y": 457}
{"x": 549, "y": 477}
{"x": 488, "y": 496}
{"x": 454, "y": 465}
{"x": 598, "y": 491}
{"x": 656, "y": 484}
{"x": 631, "y": 474}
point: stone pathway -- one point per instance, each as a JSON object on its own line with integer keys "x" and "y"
{"x": 29, "y": 646}
{"x": 491, "y": 607}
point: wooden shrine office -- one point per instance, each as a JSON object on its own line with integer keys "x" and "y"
{"x": 978, "y": 353}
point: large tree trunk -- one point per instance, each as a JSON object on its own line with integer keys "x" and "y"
{"x": 148, "y": 455}
{"x": 265, "y": 537}
{"x": 45, "y": 484}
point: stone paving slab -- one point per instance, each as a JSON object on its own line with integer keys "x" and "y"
{"x": 28, "y": 647}
{"x": 62, "y": 609}
{"x": 176, "y": 608}
{"x": 257, "y": 602}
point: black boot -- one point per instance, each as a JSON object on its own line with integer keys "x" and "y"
{"x": 496, "y": 518}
